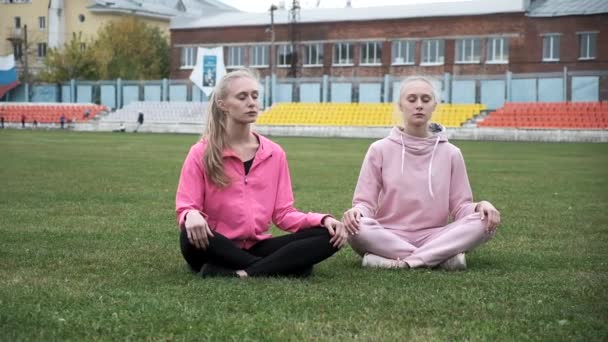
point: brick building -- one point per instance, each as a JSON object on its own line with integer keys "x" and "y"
{"x": 460, "y": 38}
{"x": 480, "y": 37}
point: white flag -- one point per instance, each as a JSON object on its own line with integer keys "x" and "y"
{"x": 209, "y": 68}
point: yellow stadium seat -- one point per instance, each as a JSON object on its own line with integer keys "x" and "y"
{"x": 354, "y": 114}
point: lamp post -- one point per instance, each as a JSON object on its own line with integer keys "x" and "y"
{"x": 20, "y": 43}
{"x": 293, "y": 19}
{"x": 271, "y": 54}
{"x": 272, "y": 37}
{"x": 27, "y": 71}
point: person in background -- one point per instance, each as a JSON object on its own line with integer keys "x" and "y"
{"x": 140, "y": 121}
{"x": 233, "y": 184}
{"x": 411, "y": 184}
{"x": 23, "y": 120}
{"x": 62, "y": 121}
{"x": 1, "y": 121}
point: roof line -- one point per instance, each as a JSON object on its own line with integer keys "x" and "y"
{"x": 141, "y": 13}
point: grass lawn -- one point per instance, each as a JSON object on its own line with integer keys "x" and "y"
{"x": 89, "y": 249}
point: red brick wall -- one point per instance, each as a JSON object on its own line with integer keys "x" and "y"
{"x": 525, "y": 47}
{"x": 526, "y": 53}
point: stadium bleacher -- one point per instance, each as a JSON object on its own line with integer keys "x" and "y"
{"x": 50, "y": 112}
{"x": 556, "y": 115}
{"x": 160, "y": 112}
{"x": 358, "y": 114}
{"x": 542, "y": 115}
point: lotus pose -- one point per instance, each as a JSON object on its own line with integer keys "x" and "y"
{"x": 233, "y": 184}
{"x": 410, "y": 185}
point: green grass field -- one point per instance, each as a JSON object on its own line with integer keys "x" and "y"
{"x": 89, "y": 249}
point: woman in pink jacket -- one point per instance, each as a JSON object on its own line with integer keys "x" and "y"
{"x": 233, "y": 184}
{"x": 412, "y": 183}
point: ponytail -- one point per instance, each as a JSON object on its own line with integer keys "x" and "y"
{"x": 216, "y": 129}
{"x": 215, "y": 133}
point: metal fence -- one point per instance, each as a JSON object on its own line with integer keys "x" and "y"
{"x": 491, "y": 90}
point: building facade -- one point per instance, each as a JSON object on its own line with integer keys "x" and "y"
{"x": 52, "y": 23}
{"x": 465, "y": 38}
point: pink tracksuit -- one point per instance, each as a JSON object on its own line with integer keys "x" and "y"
{"x": 244, "y": 210}
{"x": 408, "y": 189}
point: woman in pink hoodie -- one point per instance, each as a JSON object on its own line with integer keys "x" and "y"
{"x": 233, "y": 184}
{"x": 412, "y": 184}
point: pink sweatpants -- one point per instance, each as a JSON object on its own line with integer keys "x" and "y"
{"x": 425, "y": 247}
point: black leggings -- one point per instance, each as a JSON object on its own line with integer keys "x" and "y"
{"x": 290, "y": 255}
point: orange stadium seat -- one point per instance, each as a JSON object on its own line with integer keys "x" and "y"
{"x": 49, "y": 113}
{"x": 550, "y": 115}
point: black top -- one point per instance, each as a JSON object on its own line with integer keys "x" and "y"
{"x": 247, "y": 165}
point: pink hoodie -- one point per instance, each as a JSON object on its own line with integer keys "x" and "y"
{"x": 412, "y": 183}
{"x": 243, "y": 211}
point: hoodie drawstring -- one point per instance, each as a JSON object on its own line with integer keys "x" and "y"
{"x": 430, "y": 175}
{"x": 430, "y": 167}
{"x": 402, "y": 153}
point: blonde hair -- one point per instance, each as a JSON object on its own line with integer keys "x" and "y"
{"x": 429, "y": 80}
{"x": 215, "y": 134}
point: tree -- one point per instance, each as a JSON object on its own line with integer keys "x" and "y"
{"x": 127, "y": 48}
{"x": 72, "y": 61}
{"x": 130, "y": 49}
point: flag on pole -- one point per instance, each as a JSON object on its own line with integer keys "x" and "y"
{"x": 209, "y": 68}
{"x": 8, "y": 74}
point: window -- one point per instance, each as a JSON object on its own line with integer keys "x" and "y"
{"x": 313, "y": 54}
{"x": 17, "y": 22}
{"x": 83, "y": 46}
{"x": 432, "y": 52}
{"x": 81, "y": 18}
{"x": 371, "y": 53}
{"x": 284, "y": 55}
{"x": 343, "y": 54}
{"x": 403, "y": 52}
{"x": 498, "y": 50}
{"x": 236, "y": 56}
{"x": 467, "y": 50}
{"x": 587, "y": 45}
{"x": 42, "y": 23}
{"x": 259, "y": 56}
{"x": 188, "y": 57}
{"x": 551, "y": 48}
{"x": 17, "y": 51}
{"x": 41, "y": 50}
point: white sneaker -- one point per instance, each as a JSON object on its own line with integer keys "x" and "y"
{"x": 456, "y": 263}
{"x": 373, "y": 260}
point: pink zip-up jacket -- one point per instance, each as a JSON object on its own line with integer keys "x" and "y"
{"x": 412, "y": 183}
{"x": 242, "y": 211}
